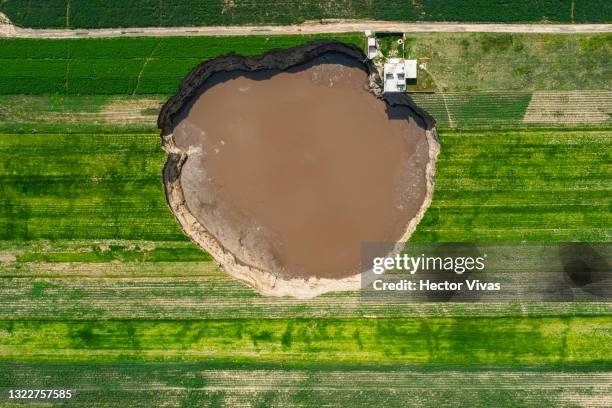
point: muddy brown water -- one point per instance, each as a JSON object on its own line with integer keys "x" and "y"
{"x": 291, "y": 171}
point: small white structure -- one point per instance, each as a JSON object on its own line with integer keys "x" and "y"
{"x": 396, "y": 72}
{"x": 410, "y": 66}
{"x": 372, "y": 48}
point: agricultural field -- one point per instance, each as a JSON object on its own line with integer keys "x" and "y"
{"x": 112, "y": 181}
{"x": 143, "y": 13}
{"x": 211, "y": 384}
{"x": 90, "y": 235}
{"x": 122, "y": 66}
{"x": 102, "y": 292}
{"x": 296, "y": 342}
{"x": 504, "y": 82}
{"x": 511, "y": 62}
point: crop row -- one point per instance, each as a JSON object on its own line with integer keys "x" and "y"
{"x": 501, "y": 61}
{"x": 458, "y": 62}
{"x": 410, "y": 340}
{"x": 476, "y": 109}
{"x": 199, "y": 290}
{"x": 121, "y": 66}
{"x": 240, "y": 385}
{"x": 156, "y": 47}
{"x": 490, "y": 186}
{"x": 104, "y": 186}
{"x": 473, "y": 110}
{"x": 98, "y": 13}
{"x": 118, "y": 279}
{"x": 513, "y": 109}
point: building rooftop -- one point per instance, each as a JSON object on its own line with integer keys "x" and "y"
{"x": 372, "y": 48}
{"x": 396, "y": 71}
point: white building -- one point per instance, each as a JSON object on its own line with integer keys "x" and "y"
{"x": 396, "y": 72}
{"x": 372, "y": 48}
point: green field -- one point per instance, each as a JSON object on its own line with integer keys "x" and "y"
{"x": 143, "y": 13}
{"x": 262, "y": 385}
{"x": 76, "y": 228}
{"x": 459, "y": 62}
{"x": 123, "y": 65}
{"x": 100, "y": 291}
{"x": 299, "y": 342}
{"x": 107, "y": 186}
{"x": 111, "y": 279}
{"x": 511, "y": 62}
{"x": 481, "y": 80}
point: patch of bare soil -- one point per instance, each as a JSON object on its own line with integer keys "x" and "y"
{"x": 6, "y": 27}
{"x": 282, "y": 172}
{"x": 569, "y": 108}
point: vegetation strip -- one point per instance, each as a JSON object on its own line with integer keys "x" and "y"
{"x": 151, "y": 13}
{"x": 108, "y": 186}
{"x": 467, "y": 109}
{"x": 459, "y": 61}
{"x": 231, "y": 384}
{"x": 438, "y": 341}
{"x": 114, "y": 66}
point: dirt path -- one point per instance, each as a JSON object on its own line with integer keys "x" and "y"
{"x": 335, "y": 26}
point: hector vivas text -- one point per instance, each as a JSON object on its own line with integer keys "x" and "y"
{"x": 431, "y": 264}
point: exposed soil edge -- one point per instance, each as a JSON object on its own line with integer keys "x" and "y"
{"x": 264, "y": 282}
{"x": 7, "y": 29}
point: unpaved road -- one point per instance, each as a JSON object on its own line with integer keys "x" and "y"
{"x": 306, "y": 28}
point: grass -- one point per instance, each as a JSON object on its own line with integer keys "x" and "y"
{"x": 108, "y": 186}
{"x": 90, "y": 236}
{"x": 226, "y": 384}
{"x": 104, "y": 186}
{"x": 97, "y": 13}
{"x": 68, "y": 280}
{"x": 517, "y": 62}
{"x": 481, "y": 80}
{"x": 472, "y": 109}
{"x": 389, "y": 46}
{"x": 114, "y": 66}
{"x": 518, "y": 186}
{"x": 100, "y": 291}
{"x": 518, "y": 109}
{"x": 119, "y": 253}
{"x": 458, "y": 110}
{"x": 459, "y": 62}
{"x": 423, "y": 341}
{"x": 79, "y": 113}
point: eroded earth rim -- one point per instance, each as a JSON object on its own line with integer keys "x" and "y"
{"x": 280, "y": 59}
